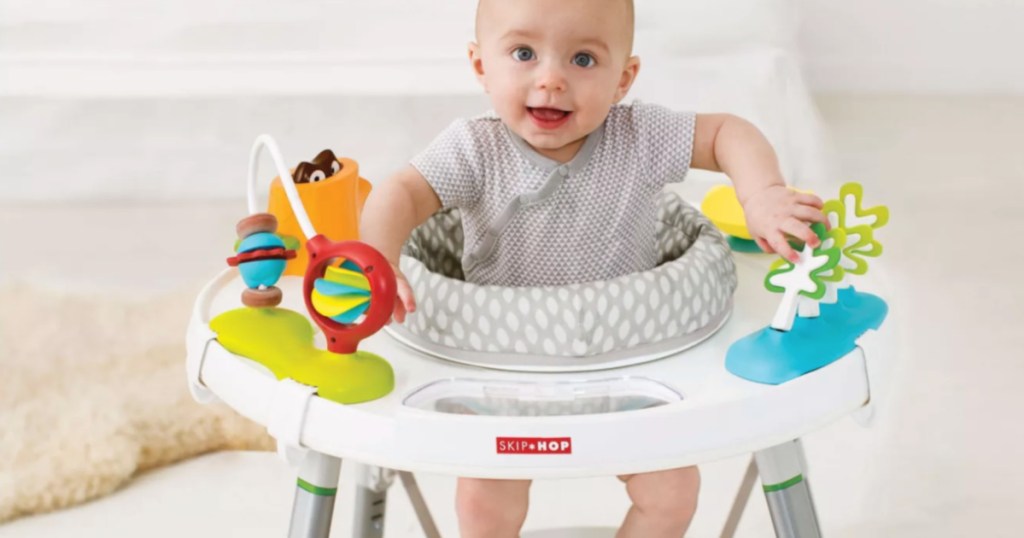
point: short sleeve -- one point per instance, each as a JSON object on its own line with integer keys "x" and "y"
{"x": 665, "y": 139}
{"x": 451, "y": 165}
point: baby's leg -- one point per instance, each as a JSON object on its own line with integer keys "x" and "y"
{"x": 491, "y": 508}
{"x": 663, "y": 503}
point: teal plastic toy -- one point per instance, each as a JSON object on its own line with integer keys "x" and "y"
{"x": 832, "y": 315}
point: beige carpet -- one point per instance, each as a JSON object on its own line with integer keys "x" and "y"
{"x": 93, "y": 392}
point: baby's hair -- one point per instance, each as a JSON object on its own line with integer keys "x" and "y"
{"x": 630, "y": 17}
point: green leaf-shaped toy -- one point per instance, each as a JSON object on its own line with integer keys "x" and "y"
{"x": 808, "y": 277}
{"x": 817, "y": 266}
{"x": 832, "y": 239}
{"x": 860, "y": 244}
{"x": 852, "y": 210}
{"x": 849, "y": 214}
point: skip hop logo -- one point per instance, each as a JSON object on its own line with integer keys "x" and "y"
{"x": 534, "y": 445}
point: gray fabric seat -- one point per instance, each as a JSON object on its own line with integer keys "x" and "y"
{"x": 585, "y": 326}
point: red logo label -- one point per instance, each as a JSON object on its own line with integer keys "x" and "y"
{"x": 534, "y": 445}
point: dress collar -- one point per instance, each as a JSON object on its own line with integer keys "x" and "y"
{"x": 576, "y": 164}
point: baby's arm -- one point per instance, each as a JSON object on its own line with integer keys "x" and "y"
{"x": 726, "y": 143}
{"x": 393, "y": 209}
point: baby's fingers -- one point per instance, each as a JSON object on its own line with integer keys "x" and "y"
{"x": 807, "y": 213}
{"x": 809, "y": 199}
{"x": 405, "y": 302}
{"x": 405, "y": 295}
{"x": 399, "y": 312}
{"x": 801, "y": 231}
{"x": 780, "y": 245}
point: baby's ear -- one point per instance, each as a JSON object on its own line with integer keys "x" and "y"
{"x": 629, "y": 73}
{"x": 477, "y": 62}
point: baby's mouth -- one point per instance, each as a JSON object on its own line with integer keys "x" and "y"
{"x": 548, "y": 117}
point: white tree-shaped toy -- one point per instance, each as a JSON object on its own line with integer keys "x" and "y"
{"x": 806, "y": 306}
{"x": 821, "y": 272}
{"x": 808, "y": 277}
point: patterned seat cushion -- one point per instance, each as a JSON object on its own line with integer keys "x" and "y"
{"x": 592, "y": 325}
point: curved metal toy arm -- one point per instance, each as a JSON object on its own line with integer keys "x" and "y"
{"x": 266, "y": 141}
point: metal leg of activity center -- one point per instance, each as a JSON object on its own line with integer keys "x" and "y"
{"x": 419, "y": 505}
{"x": 372, "y": 485}
{"x": 314, "y": 496}
{"x": 740, "y": 502}
{"x": 318, "y": 487}
{"x": 784, "y": 480}
{"x": 371, "y": 502}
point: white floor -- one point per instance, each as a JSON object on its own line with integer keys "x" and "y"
{"x": 942, "y": 461}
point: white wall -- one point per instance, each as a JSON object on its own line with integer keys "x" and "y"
{"x": 913, "y": 46}
{"x": 161, "y": 99}
{"x": 155, "y": 99}
{"x": 207, "y": 46}
{"x": 118, "y": 48}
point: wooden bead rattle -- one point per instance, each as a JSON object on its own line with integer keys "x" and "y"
{"x": 260, "y": 258}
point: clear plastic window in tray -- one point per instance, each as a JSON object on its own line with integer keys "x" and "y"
{"x": 464, "y": 396}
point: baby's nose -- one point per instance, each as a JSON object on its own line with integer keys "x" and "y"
{"x": 551, "y": 78}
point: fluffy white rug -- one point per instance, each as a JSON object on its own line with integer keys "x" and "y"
{"x": 92, "y": 392}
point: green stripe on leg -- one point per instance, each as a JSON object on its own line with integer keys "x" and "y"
{"x": 317, "y": 490}
{"x": 783, "y": 485}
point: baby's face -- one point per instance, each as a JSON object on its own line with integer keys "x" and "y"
{"x": 554, "y": 68}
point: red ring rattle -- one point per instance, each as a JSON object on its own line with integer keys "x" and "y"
{"x": 345, "y": 338}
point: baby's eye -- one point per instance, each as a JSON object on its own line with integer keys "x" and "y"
{"x": 317, "y": 176}
{"x": 582, "y": 59}
{"x": 523, "y": 54}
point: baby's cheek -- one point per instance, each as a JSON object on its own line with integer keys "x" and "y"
{"x": 506, "y": 100}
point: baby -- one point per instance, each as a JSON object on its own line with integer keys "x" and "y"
{"x": 559, "y": 185}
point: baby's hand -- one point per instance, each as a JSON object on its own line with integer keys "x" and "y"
{"x": 775, "y": 212}
{"x": 405, "y": 303}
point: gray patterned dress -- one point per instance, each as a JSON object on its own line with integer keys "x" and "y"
{"x": 531, "y": 221}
